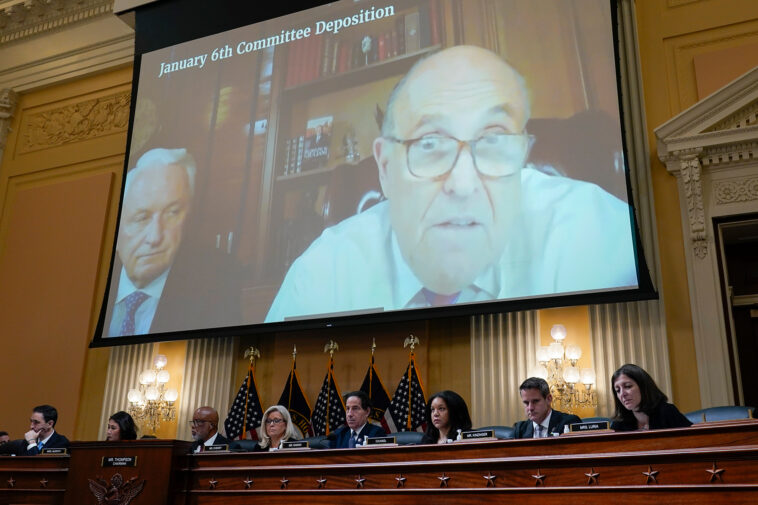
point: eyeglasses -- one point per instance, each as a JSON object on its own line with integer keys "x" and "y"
{"x": 273, "y": 421}
{"x": 494, "y": 154}
{"x": 197, "y": 422}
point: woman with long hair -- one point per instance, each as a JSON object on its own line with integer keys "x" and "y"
{"x": 640, "y": 404}
{"x": 446, "y": 413}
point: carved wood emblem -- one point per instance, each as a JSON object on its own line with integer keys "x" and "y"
{"x": 117, "y": 491}
{"x": 490, "y": 479}
{"x": 444, "y": 480}
{"x": 652, "y": 475}
{"x": 592, "y": 477}
{"x": 539, "y": 478}
{"x": 716, "y": 473}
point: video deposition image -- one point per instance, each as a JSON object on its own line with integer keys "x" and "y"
{"x": 367, "y": 157}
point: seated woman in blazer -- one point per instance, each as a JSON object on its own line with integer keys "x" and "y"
{"x": 446, "y": 413}
{"x": 640, "y": 405}
{"x": 276, "y": 427}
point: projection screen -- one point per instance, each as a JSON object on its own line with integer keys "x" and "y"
{"x": 366, "y": 160}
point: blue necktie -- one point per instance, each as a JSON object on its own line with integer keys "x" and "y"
{"x": 353, "y": 439}
{"x": 39, "y": 445}
{"x": 131, "y": 304}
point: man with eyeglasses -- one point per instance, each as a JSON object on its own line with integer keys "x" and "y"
{"x": 357, "y": 427}
{"x": 205, "y": 429}
{"x": 466, "y": 218}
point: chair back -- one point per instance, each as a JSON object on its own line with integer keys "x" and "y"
{"x": 317, "y": 442}
{"x": 407, "y": 437}
{"x": 242, "y": 445}
{"x": 501, "y": 432}
{"x": 596, "y": 420}
{"x": 728, "y": 413}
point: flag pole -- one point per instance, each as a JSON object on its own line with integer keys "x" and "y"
{"x": 330, "y": 347}
{"x": 371, "y": 372}
{"x": 292, "y": 376}
{"x": 251, "y": 353}
{"x": 411, "y": 341}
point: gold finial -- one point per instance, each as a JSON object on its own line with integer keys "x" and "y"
{"x": 331, "y": 347}
{"x": 294, "y": 352}
{"x": 412, "y": 341}
{"x": 252, "y": 353}
{"x": 373, "y": 346}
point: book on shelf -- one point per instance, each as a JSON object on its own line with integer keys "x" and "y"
{"x": 434, "y": 22}
{"x": 300, "y": 146}
{"x": 400, "y": 33}
{"x": 425, "y": 28}
{"x": 327, "y": 54}
{"x": 287, "y": 147}
{"x": 412, "y": 36}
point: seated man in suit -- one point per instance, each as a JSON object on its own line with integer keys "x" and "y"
{"x": 4, "y": 437}
{"x": 157, "y": 199}
{"x": 205, "y": 429}
{"x": 358, "y": 407}
{"x": 543, "y": 420}
{"x": 41, "y": 432}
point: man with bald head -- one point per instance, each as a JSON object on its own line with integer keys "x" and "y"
{"x": 205, "y": 429}
{"x": 157, "y": 197}
{"x": 466, "y": 218}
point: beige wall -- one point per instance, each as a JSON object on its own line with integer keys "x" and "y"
{"x": 676, "y": 37}
{"x": 59, "y": 187}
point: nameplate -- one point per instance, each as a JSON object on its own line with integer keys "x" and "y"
{"x": 216, "y": 448}
{"x": 381, "y": 440}
{"x": 119, "y": 461}
{"x": 591, "y": 426}
{"x": 470, "y": 436}
{"x": 54, "y": 450}
{"x": 295, "y": 444}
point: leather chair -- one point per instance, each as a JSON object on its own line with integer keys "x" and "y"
{"x": 728, "y": 413}
{"x": 407, "y": 437}
{"x": 696, "y": 416}
{"x": 596, "y": 420}
{"x": 317, "y": 442}
{"x": 242, "y": 445}
{"x": 501, "y": 432}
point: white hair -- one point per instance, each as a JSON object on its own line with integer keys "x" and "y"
{"x": 161, "y": 156}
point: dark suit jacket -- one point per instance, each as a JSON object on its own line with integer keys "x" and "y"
{"x": 665, "y": 415}
{"x": 558, "y": 419}
{"x": 341, "y": 438}
{"x": 220, "y": 439}
{"x": 201, "y": 291}
{"x": 57, "y": 441}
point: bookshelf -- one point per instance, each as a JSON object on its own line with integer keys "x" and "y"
{"x": 326, "y": 78}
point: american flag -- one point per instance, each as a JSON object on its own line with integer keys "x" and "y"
{"x": 246, "y": 413}
{"x": 406, "y": 411}
{"x": 380, "y": 398}
{"x": 329, "y": 413}
{"x": 294, "y": 399}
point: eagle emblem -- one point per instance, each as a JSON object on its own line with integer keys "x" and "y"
{"x": 117, "y": 491}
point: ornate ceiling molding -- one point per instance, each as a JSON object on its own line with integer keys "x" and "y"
{"x": 25, "y": 18}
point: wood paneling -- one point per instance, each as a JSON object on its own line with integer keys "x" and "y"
{"x": 58, "y": 203}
